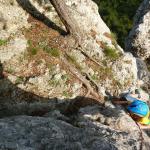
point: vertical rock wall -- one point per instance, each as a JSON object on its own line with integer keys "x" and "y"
{"x": 138, "y": 41}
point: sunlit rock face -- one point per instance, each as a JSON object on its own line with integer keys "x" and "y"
{"x": 12, "y": 18}
{"x": 115, "y": 75}
{"x": 138, "y": 41}
{"x": 35, "y": 95}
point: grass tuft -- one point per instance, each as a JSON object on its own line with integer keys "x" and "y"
{"x": 34, "y": 51}
{"x": 111, "y": 53}
{"x": 19, "y": 80}
{"x": 52, "y": 51}
{"x": 67, "y": 94}
{"x": 3, "y": 42}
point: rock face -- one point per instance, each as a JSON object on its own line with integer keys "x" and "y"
{"x": 12, "y": 18}
{"x": 143, "y": 72}
{"x": 138, "y": 41}
{"x": 91, "y": 19}
{"x": 112, "y": 74}
{"x": 88, "y": 131}
{"x": 32, "y": 74}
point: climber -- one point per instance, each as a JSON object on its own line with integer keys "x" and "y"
{"x": 137, "y": 108}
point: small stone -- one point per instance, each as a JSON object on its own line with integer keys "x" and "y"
{"x": 33, "y": 80}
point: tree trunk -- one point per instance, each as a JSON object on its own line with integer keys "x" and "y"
{"x": 67, "y": 18}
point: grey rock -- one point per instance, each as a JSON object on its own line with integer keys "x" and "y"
{"x": 12, "y": 18}
{"x": 36, "y": 133}
{"x": 56, "y": 131}
{"x": 13, "y": 48}
{"x": 138, "y": 41}
{"x": 143, "y": 73}
{"x": 35, "y": 125}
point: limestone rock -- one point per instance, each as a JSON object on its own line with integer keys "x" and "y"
{"x": 143, "y": 73}
{"x": 125, "y": 71}
{"x": 138, "y": 41}
{"x": 142, "y": 70}
{"x": 12, "y": 18}
{"x": 14, "y": 47}
{"x": 86, "y": 13}
{"x": 39, "y": 122}
{"x": 37, "y": 133}
{"x": 55, "y": 131}
{"x": 88, "y": 17}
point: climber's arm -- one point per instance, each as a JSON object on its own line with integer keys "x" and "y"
{"x": 120, "y": 102}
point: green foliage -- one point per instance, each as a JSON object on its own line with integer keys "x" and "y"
{"x": 19, "y": 80}
{"x": 118, "y": 15}
{"x": 67, "y": 94}
{"x": 3, "y": 42}
{"x": 111, "y": 53}
{"x": 29, "y": 43}
{"x": 52, "y": 51}
{"x": 94, "y": 77}
{"x": 114, "y": 39}
{"x": 105, "y": 72}
{"x": 34, "y": 51}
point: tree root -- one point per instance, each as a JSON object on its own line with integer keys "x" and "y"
{"x": 88, "y": 93}
{"x": 96, "y": 85}
{"x": 86, "y": 55}
{"x": 75, "y": 72}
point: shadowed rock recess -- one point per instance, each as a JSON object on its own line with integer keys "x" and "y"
{"x": 43, "y": 105}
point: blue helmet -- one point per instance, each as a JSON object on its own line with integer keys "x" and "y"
{"x": 139, "y": 108}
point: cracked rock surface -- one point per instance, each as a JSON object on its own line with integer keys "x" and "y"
{"x": 60, "y": 133}
{"x": 138, "y": 41}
